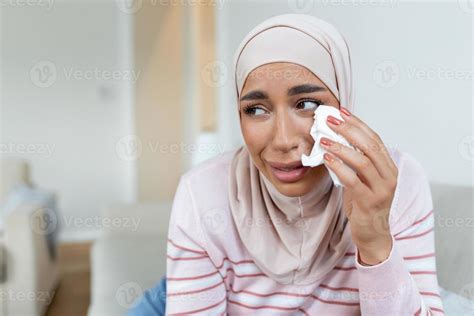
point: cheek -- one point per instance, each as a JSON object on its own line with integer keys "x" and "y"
{"x": 306, "y": 124}
{"x": 256, "y": 134}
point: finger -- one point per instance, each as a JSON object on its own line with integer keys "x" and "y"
{"x": 346, "y": 175}
{"x": 362, "y": 165}
{"x": 357, "y": 137}
{"x": 373, "y": 135}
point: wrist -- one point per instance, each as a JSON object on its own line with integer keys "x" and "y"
{"x": 374, "y": 254}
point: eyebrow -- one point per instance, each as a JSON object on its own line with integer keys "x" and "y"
{"x": 304, "y": 88}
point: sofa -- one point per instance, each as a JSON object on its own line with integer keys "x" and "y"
{"x": 128, "y": 257}
{"x": 29, "y": 271}
{"x": 126, "y": 262}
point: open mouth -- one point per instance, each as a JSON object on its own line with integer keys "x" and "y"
{"x": 291, "y": 172}
{"x": 289, "y": 169}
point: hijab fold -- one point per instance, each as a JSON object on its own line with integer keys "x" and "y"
{"x": 293, "y": 240}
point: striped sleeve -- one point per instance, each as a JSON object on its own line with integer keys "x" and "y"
{"x": 194, "y": 285}
{"x": 406, "y": 282}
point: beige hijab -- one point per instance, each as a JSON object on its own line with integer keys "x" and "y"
{"x": 293, "y": 240}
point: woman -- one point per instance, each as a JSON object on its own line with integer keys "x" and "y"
{"x": 252, "y": 231}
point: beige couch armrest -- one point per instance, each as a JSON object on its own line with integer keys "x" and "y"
{"x": 30, "y": 269}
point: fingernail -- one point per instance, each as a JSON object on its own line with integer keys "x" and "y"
{"x": 345, "y": 111}
{"x": 333, "y": 120}
{"x": 325, "y": 141}
{"x": 328, "y": 157}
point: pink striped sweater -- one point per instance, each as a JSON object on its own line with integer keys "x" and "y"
{"x": 209, "y": 271}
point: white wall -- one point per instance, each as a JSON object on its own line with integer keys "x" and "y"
{"x": 418, "y": 110}
{"x": 82, "y": 120}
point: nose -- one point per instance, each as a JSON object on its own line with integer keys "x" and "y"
{"x": 285, "y": 136}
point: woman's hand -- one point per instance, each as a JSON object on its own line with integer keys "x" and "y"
{"x": 369, "y": 176}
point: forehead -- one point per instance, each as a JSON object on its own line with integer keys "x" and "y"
{"x": 279, "y": 74}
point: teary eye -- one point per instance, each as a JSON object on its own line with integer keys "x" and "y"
{"x": 251, "y": 110}
{"x": 309, "y": 104}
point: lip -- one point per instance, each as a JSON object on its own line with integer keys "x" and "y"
{"x": 297, "y": 173}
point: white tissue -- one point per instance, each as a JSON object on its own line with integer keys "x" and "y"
{"x": 321, "y": 129}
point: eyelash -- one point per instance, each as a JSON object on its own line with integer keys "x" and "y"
{"x": 248, "y": 108}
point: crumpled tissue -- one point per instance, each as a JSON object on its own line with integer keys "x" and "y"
{"x": 321, "y": 129}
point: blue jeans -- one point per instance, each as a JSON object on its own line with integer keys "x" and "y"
{"x": 153, "y": 301}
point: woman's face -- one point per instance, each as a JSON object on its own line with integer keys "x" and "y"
{"x": 276, "y": 108}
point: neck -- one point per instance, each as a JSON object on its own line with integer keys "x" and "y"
{"x": 307, "y": 205}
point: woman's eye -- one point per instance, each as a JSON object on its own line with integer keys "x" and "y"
{"x": 254, "y": 111}
{"x": 308, "y": 104}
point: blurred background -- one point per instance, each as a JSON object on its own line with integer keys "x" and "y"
{"x": 105, "y": 104}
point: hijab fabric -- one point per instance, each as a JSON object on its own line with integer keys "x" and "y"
{"x": 293, "y": 240}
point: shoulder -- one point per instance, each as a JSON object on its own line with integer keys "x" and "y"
{"x": 201, "y": 189}
{"x": 205, "y": 209}
{"x": 209, "y": 171}
{"x": 207, "y": 182}
{"x": 412, "y": 199}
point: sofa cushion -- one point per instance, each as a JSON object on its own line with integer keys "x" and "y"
{"x": 454, "y": 237}
{"x": 123, "y": 267}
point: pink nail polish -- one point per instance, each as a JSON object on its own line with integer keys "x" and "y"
{"x": 345, "y": 111}
{"x": 333, "y": 120}
{"x": 325, "y": 142}
{"x": 328, "y": 157}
